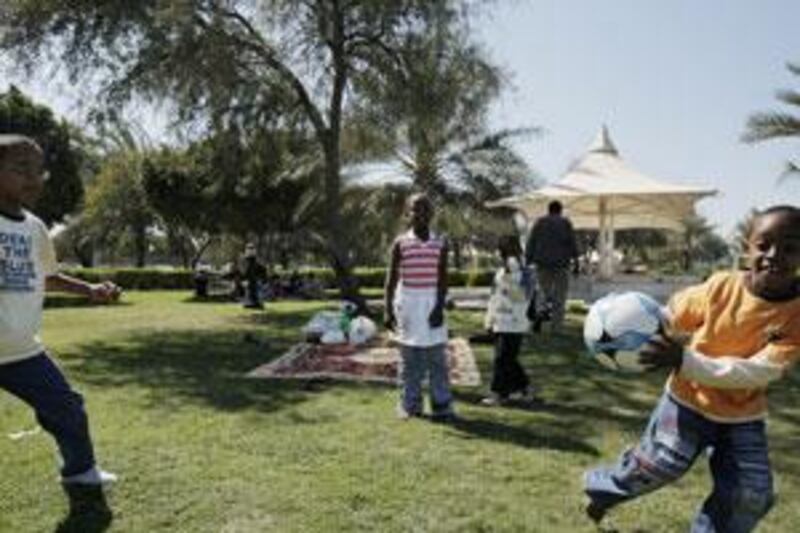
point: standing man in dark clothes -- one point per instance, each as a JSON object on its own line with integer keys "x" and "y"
{"x": 254, "y": 273}
{"x": 551, "y": 247}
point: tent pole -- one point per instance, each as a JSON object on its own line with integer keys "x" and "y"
{"x": 603, "y": 240}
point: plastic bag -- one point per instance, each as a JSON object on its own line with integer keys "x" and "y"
{"x": 334, "y": 336}
{"x": 362, "y": 329}
{"x": 322, "y": 323}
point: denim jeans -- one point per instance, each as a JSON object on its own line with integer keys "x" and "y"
{"x": 59, "y": 410}
{"x": 554, "y": 283}
{"x": 416, "y": 362}
{"x": 675, "y": 436}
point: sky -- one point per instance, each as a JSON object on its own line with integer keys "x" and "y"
{"x": 674, "y": 81}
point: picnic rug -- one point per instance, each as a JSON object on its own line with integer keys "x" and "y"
{"x": 375, "y": 361}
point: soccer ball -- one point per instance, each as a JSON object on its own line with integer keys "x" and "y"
{"x": 618, "y": 326}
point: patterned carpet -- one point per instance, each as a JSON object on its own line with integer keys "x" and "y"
{"x": 375, "y": 361}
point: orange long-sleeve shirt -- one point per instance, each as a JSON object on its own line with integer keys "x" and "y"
{"x": 725, "y": 319}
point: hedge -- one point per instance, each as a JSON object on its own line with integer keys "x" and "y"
{"x": 137, "y": 278}
{"x": 166, "y": 279}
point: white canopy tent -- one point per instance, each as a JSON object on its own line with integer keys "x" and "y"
{"x": 601, "y": 192}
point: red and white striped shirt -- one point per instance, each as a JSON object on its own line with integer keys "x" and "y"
{"x": 419, "y": 261}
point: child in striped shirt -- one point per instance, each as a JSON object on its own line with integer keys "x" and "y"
{"x": 416, "y": 287}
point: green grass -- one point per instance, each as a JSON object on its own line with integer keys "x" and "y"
{"x": 199, "y": 448}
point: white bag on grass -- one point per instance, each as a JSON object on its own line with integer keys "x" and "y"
{"x": 362, "y": 329}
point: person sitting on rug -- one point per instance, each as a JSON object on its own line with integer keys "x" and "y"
{"x": 506, "y": 317}
{"x": 416, "y": 287}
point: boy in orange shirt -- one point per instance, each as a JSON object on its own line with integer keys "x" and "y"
{"x": 745, "y": 333}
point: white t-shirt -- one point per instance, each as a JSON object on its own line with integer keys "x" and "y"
{"x": 507, "y": 311}
{"x": 27, "y": 257}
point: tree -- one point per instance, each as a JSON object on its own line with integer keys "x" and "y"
{"x": 63, "y": 156}
{"x": 741, "y": 235}
{"x": 778, "y": 124}
{"x": 250, "y": 62}
{"x": 176, "y": 190}
{"x": 76, "y": 242}
{"x": 700, "y": 242}
{"x": 117, "y": 209}
{"x": 431, "y": 116}
{"x": 260, "y": 185}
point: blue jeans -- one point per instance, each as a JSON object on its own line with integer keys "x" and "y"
{"x": 674, "y": 438}
{"x": 38, "y": 382}
{"x": 415, "y": 362}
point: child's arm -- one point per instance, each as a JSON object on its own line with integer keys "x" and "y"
{"x": 436, "y": 318}
{"x": 757, "y": 371}
{"x": 391, "y": 286}
{"x": 723, "y": 372}
{"x": 96, "y": 292}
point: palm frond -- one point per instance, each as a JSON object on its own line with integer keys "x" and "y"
{"x": 496, "y": 139}
{"x": 792, "y": 170}
{"x": 771, "y": 125}
{"x": 788, "y": 96}
{"x": 794, "y": 68}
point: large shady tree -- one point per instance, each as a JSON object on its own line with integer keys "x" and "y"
{"x": 252, "y": 62}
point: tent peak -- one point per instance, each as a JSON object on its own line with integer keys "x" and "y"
{"x": 602, "y": 143}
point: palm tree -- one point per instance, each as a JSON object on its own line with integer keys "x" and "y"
{"x": 767, "y": 125}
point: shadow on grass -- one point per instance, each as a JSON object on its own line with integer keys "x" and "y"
{"x": 88, "y": 511}
{"x": 206, "y": 367}
{"x": 59, "y": 301}
{"x": 550, "y": 435}
{"x": 174, "y": 367}
{"x": 211, "y": 299}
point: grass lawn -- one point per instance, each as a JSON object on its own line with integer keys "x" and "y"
{"x": 199, "y": 448}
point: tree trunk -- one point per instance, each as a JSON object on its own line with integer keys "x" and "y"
{"x": 140, "y": 246}
{"x": 336, "y": 247}
{"x": 330, "y": 138}
{"x": 200, "y": 251}
{"x": 84, "y": 252}
{"x": 458, "y": 259}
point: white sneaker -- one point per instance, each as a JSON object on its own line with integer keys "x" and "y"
{"x": 93, "y": 476}
{"x": 494, "y": 400}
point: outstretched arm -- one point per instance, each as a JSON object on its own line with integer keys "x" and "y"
{"x": 732, "y": 372}
{"x": 723, "y": 372}
{"x": 96, "y": 292}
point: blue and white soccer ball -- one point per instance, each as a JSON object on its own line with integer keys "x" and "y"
{"x": 618, "y": 326}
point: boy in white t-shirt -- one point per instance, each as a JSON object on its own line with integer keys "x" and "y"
{"x": 27, "y": 267}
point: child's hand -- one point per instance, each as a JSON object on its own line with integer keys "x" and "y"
{"x": 662, "y": 351}
{"x": 436, "y": 318}
{"x": 104, "y": 293}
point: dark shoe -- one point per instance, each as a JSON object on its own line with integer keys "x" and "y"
{"x": 594, "y": 510}
{"x": 444, "y": 418}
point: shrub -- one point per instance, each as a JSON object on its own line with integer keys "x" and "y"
{"x": 182, "y": 279}
{"x": 137, "y": 278}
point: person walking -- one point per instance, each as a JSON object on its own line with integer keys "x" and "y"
{"x": 551, "y": 247}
